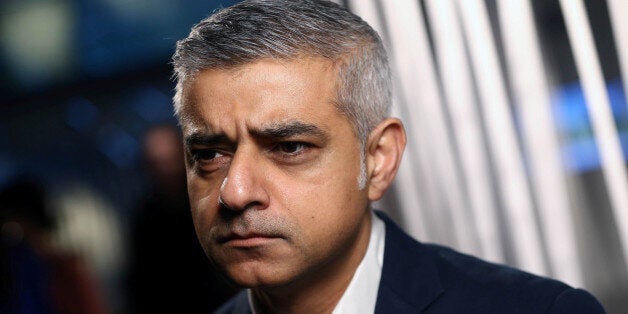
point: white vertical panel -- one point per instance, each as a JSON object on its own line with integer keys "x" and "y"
{"x": 530, "y": 87}
{"x": 598, "y": 105}
{"x": 367, "y": 10}
{"x": 502, "y": 137}
{"x": 410, "y": 48}
{"x": 458, "y": 88}
{"x": 618, "y": 9}
{"x": 417, "y": 168}
{"x": 412, "y": 194}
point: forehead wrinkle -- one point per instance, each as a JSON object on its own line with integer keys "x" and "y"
{"x": 200, "y": 114}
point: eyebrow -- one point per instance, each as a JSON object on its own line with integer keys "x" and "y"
{"x": 202, "y": 138}
{"x": 289, "y": 129}
{"x": 273, "y": 131}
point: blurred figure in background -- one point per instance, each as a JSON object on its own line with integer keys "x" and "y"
{"x": 36, "y": 276}
{"x": 169, "y": 272}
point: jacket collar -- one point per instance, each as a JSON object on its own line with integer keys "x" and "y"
{"x": 410, "y": 278}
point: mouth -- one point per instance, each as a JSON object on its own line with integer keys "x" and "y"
{"x": 248, "y": 239}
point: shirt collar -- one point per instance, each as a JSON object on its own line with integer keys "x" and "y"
{"x": 361, "y": 294}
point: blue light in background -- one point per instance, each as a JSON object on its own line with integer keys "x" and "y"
{"x": 120, "y": 147}
{"x": 46, "y": 42}
{"x": 116, "y": 35}
{"x": 580, "y": 152}
{"x": 80, "y": 114}
{"x": 7, "y": 168}
{"x": 153, "y": 105}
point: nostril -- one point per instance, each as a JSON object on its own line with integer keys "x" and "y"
{"x": 224, "y": 206}
{"x": 226, "y": 213}
{"x": 229, "y": 212}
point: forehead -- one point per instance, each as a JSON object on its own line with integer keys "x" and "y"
{"x": 268, "y": 91}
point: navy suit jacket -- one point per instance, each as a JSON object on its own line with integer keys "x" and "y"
{"x": 425, "y": 278}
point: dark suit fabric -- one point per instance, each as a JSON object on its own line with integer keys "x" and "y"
{"x": 426, "y": 278}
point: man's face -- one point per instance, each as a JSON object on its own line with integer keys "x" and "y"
{"x": 273, "y": 169}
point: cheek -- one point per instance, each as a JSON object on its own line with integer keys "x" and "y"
{"x": 203, "y": 202}
{"x": 329, "y": 220}
{"x": 328, "y": 200}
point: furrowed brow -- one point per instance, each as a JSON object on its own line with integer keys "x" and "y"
{"x": 289, "y": 129}
{"x": 200, "y": 138}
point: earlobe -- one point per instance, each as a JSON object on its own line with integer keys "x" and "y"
{"x": 385, "y": 147}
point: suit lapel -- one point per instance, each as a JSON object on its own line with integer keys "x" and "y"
{"x": 410, "y": 280}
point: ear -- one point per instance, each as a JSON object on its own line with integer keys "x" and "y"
{"x": 384, "y": 149}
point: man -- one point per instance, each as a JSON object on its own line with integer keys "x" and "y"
{"x": 284, "y": 109}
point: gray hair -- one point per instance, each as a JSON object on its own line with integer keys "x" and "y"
{"x": 288, "y": 29}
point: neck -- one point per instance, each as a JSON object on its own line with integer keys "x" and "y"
{"x": 320, "y": 291}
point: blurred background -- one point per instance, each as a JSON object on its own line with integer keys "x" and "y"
{"x": 518, "y": 138}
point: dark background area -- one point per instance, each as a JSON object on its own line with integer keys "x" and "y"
{"x": 82, "y": 83}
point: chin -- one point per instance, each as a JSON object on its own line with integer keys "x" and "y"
{"x": 253, "y": 283}
{"x": 259, "y": 275}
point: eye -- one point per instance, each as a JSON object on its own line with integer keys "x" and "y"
{"x": 205, "y": 154}
{"x": 291, "y": 148}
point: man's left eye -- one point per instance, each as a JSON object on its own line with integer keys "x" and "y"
{"x": 291, "y": 148}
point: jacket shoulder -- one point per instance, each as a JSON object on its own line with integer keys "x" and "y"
{"x": 487, "y": 287}
{"x": 429, "y": 278}
{"x": 576, "y": 301}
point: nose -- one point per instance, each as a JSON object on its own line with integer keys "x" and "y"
{"x": 243, "y": 187}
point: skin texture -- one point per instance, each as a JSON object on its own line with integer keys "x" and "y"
{"x": 272, "y": 168}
